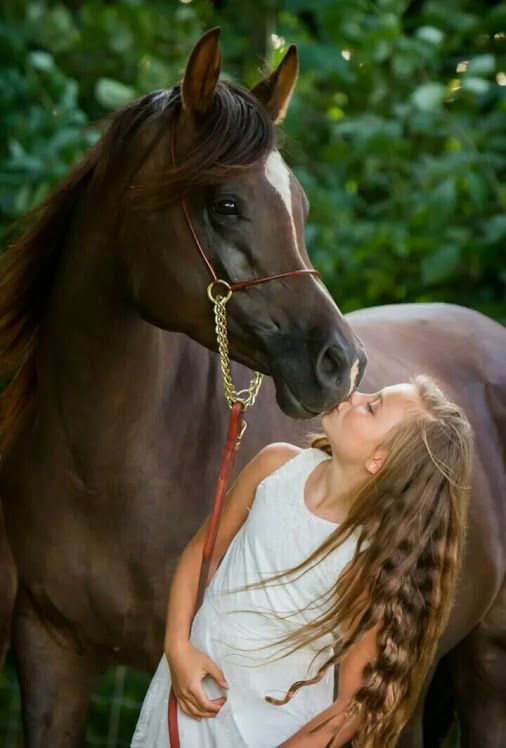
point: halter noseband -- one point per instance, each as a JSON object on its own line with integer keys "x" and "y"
{"x": 214, "y": 276}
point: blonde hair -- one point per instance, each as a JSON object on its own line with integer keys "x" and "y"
{"x": 410, "y": 521}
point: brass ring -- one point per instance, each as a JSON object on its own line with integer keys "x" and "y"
{"x": 215, "y": 283}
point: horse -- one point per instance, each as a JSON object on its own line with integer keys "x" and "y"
{"x": 114, "y": 420}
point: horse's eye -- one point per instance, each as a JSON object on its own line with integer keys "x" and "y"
{"x": 226, "y": 207}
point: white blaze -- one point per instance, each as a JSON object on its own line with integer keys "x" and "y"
{"x": 353, "y": 377}
{"x": 278, "y": 176}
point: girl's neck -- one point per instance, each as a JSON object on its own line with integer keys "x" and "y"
{"x": 334, "y": 485}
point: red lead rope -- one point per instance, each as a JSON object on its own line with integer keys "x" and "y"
{"x": 234, "y": 429}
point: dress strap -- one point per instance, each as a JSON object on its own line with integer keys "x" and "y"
{"x": 318, "y": 454}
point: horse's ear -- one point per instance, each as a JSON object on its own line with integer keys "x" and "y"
{"x": 276, "y": 90}
{"x": 201, "y": 73}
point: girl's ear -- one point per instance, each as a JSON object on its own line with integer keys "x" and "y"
{"x": 375, "y": 462}
{"x": 201, "y": 73}
{"x": 276, "y": 90}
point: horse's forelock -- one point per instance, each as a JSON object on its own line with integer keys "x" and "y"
{"x": 236, "y": 131}
{"x": 240, "y": 127}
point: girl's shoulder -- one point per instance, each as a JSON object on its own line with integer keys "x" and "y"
{"x": 268, "y": 461}
{"x": 278, "y": 458}
{"x": 273, "y": 456}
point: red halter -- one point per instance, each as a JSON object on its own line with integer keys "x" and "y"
{"x": 214, "y": 276}
{"x": 233, "y": 429}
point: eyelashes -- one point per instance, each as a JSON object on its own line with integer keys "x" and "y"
{"x": 369, "y": 407}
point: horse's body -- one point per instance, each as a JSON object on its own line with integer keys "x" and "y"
{"x": 114, "y": 467}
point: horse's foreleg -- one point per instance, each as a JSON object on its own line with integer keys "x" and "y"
{"x": 479, "y": 666}
{"x": 55, "y": 680}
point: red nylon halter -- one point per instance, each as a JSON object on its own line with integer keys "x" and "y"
{"x": 214, "y": 276}
{"x": 228, "y": 454}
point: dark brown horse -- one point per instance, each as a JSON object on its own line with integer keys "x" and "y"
{"x": 114, "y": 424}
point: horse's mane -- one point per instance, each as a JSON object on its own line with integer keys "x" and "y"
{"x": 235, "y": 132}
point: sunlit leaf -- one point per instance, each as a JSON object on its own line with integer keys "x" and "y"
{"x": 430, "y": 34}
{"x": 475, "y": 85}
{"x": 429, "y": 96}
{"x": 112, "y": 94}
{"x": 481, "y": 65}
{"x": 41, "y": 60}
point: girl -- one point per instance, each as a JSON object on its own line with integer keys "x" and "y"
{"x": 345, "y": 553}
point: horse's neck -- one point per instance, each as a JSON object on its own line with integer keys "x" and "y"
{"x": 99, "y": 362}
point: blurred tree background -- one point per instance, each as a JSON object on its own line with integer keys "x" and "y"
{"x": 397, "y": 131}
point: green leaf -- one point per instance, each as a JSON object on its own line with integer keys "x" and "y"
{"x": 41, "y": 60}
{"x": 440, "y": 265}
{"x": 481, "y": 65}
{"x": 475, "y": 85}
{"x": 495, "y": 228}
{"x": 443, "y": 197}
{"x": 478, "y": 189}
{"x": 122, "y": 39}
{"x": 430, "y": 34}
{"x": 429, "y": 96}
{"x": 112, "y": 94}
{"x": 57, "y": 29}
{"x": 153, "y": 74}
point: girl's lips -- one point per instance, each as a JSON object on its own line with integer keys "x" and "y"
{"x": 335, "y": 408}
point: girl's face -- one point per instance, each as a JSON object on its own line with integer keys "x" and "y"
{"x": 357, "y": 426}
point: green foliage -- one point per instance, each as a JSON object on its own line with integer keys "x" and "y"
{"x": 402, "y": 156}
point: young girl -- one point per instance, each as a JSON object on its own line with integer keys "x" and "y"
{"x": 342, "y": 553}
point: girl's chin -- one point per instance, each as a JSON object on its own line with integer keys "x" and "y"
{"x": 331, "y": 427}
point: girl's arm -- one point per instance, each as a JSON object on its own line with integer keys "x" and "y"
{"x": 238, "y": 500}
{"x": 350, "y": 680}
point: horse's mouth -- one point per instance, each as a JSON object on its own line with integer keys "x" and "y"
{"x": 290, "y": 403}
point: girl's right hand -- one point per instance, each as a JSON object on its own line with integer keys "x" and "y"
{"x": 188, "y": 666}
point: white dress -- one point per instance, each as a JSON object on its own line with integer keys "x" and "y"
{"x": 279, "y": 533}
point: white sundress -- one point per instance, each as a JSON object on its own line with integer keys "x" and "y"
{"x": 279, "y": 533}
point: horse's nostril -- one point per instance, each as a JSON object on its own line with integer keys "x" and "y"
{"x": 328, "y": 365}
{"x": 343, "y": 366}
{"x": 333, "y": 363}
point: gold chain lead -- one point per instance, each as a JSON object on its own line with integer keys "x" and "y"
{"x": 232, "y": 396}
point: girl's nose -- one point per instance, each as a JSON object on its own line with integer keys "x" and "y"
{"x": 349, "y": 401}
{"x": 355, "y": 397}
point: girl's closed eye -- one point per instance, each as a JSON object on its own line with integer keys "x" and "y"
{"x": 369, "y": 407}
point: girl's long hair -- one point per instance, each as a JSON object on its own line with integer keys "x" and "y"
{"x": 409, "y": 520}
